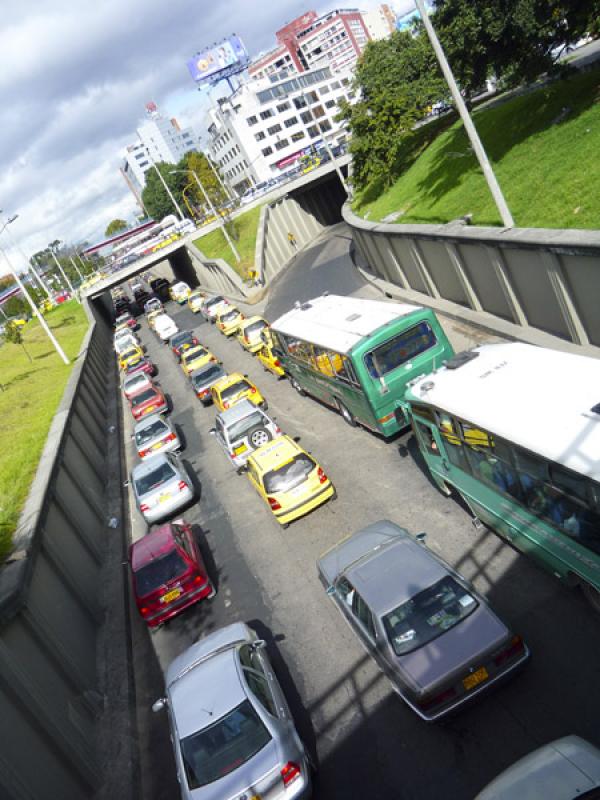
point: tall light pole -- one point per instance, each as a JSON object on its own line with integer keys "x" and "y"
{"x": 163, "y": 181}
{"x": 61, "y": 270}
{"x": 476, "y": 144}
{"x": 225, "y": 188}
{"x": 328, "y": 148}
{"x": 212, "y": 209}
{"x": 30, "y": 266}
{"x": 76, "y": 268}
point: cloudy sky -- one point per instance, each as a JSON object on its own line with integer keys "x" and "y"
{"x": 74, "y": 80}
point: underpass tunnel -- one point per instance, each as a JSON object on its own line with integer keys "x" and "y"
{"x": 323, "y": 198}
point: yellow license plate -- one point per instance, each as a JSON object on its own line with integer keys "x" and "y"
{"x": 476, "y": 678}
{"x": 239, "y": 449}
{"x": 164, "y": 497}
{"x": 149, "y": 409}
{"x": 157, "y": 446}
{"x": 170, "y": 596}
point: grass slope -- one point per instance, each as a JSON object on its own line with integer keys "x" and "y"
{"x": 544, "y": 147}
{"x": 29, "y": 397}
{"x": 214, "y": 244}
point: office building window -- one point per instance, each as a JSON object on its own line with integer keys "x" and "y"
{"x": 330, "y": 104}
{"x": 306, "y": 117}
{"x": 267, "y": 151}
{"x": 297, "y": 136}
{"x": 252, "y": 121}
{"x": 281, "y": 144}
{"x": 291, "y": 121}
{"x": 259, "y": 136}
{"x": 318, "y": 111}
{"x": 313, "y": 132}
{"x": 266, "y": 114}
{"x": 283, "y": 107}
{"x": 299, "y": 102}
{"x": 273, "y": 129}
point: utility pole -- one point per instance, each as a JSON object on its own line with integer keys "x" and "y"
{"x": 225, "y": 188}
{"x": 488, "y": 172}
{"x": 61, "y": 270}
{"x": 163, "y": 181}
{"x": 76, "y": 268}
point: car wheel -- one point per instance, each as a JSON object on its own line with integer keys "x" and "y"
{"x": 259, "y": 436}
{"x": 592, "y": 595}
{"x": 347, "y": 415}
{"x": 297, "y": 387}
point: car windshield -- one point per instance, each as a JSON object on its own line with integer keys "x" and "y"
{"x": 163, "y": 473}
{"x": 224, "y": 746}
{"x": 181, "y": 338}
{"x": 230, "y": 315}
{"x": 156, "y": 428}
{"x": 289, "y": 475}
{"x": 131, "y": 351}
{"x": 136, "y": 382}
{"x": 255, "y": 327}
{"x": 143, "y": 397}
{"x": 158, "y": 572}
{"x": 132, "y": 367}
{"x": 235, "y": 388}
{"x": 213, "y": 300}
{"x": 197, "y": 352}
{"x": 242, "y": 426}
{"x": 427, "y": 615}
{"x": 207, "y": 375}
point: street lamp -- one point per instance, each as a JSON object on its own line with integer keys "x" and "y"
{"x": 328, "y": 148}
{"x": 162, "y": 180}
{"x": 30, "y": 266}
{"x": 225, "y": 188}
{"x": 212, "y": 209}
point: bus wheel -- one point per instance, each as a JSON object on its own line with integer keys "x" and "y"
{"x": 592, "y": 595}
{"x": 297, "y": 387}
{"x": 346, "y": 414}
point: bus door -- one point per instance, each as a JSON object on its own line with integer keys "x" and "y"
{"x": 432, "y": 447}
{"x": 341, "y": 384}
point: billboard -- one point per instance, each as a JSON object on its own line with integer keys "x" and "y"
{"x": 219, "y": 61}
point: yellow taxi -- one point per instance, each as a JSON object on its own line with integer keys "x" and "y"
{"x": 288, "y": 479}
{"x": 179, "y": 292}
{"x": 130, "y": 356}
{"x": 193, "y": 358}
{"x": 195, "y": 299}
{"x": 267, "y": 357}
{"x": 229, "y": 390}
{"x": 151, "y": 318}
{"x": 229, "y": 320}
{"x": 248, "y": 334}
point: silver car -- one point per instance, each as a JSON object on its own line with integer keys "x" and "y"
{"x": 161, "y": 486}
{"x": 243, "y": 428}
{"x": 154, "y": 434}
{"x": 434, "y": 637}
{"x": 231, "y": 728}
{"x": 213, "y": 306}
{"x": 202, "y": 379}
{"x": 135, "y": 383}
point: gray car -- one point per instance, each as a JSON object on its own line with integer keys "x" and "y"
{"x": 161, "y": 486}
{"x": 202, "y": 379}
{"x": 231, "y": 728}
{"x": 135, "y": 383}
{"x": 566, "y": 769}
{"x": 155, "y": 434}
{"x": 243, "y": 428}
{"x": 434, "y": 637}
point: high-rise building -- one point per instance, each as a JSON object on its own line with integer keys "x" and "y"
{"x": 380, "y": 21}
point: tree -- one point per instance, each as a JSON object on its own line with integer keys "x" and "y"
{"x": 12, "y": 334}
{"x": 116, "y": 226}
{"x": 155, "y": 198}
{"x": 396, "y": 80}
{"x": 513, "y": 40}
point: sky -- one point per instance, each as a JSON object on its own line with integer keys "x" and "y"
{"x": 74, "y": 80}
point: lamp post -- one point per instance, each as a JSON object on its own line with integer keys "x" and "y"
{"x": 76, "y": 268}
{"x": 212, "y": 210}
{"x": 61, "y": 270}
{"x": 163, "y": 181}
{"x": 30, "y": 266}
{"x": 225, "y": 188}
{"x": 471, "y": 130}
{"x": 328, "y": 148}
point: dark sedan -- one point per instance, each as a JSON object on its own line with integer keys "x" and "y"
{"x": 434, "y": 637}
{"x": 182, "y": 341}
{"x": 202, "y": 379}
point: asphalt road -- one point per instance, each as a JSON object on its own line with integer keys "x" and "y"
{"x": 369, "y": 745}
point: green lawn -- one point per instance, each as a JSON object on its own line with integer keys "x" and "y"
{"x": 29, "y": 396}
{"x": 214, "y": 244}
{"x": 544, "y": 147}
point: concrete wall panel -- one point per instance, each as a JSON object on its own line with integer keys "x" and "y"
{"x": 484, "y": 280}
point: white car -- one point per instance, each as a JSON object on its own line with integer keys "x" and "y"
{"x": 135, "y": 383}
{"x": 165, "y": 327}
{"x": 124, "y": 340}
{"x": 155, "y": 434}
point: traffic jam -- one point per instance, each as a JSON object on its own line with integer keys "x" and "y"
{"x": 429, "y": 631}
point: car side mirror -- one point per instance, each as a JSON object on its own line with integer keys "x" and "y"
{"x": 330, "y": 591}
{"x": 126, "y": 484}
{"x": 297, "y": 439}
{"x": 420, "y": 537}
{"x": 159, "y": 704}
{"x": 259, "y": 644}
{"x": 242, "y": 469}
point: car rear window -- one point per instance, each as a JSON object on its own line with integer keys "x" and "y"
{"x": 213, "y": 300}
{"x": 156, "y": 573}
{"x": 255, "y": 327}
{"x": 181, "y": 338}
{"x": 154, "y": 479}
{"x": 242, "y": 426}
{"x": 230, "y": 315}
{"x": 197, "y": 352}
{"x": 289, "y": 475}
{"x": 207, "y": 375}
{"x": 427, "y": 615}
{"x": 142, "y": 397}
{"x": 156, "y": 428}
{"x": 136, "y": 381}
{"x": 235, "y": 388}
{"x": 224, "y": 746}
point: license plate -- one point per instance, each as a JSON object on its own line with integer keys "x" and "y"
{"x": 149, "y": 409}
{"x": 476, "y": 678}
{"x": 164, "y": 497}
{"x": 239, "y": 449}
{"x": 170, "y": 596}
{"x": 157, "y": 446}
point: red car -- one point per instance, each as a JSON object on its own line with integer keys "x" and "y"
{"x": 181, "y": 341}
{"x": 148, "y": 401}
{"x": 127, "y": 318}
{"x": 167, "y": 572}
{"x": 141, "y": 365}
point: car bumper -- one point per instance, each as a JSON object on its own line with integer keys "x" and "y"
{"x": 169, "y": 447}
{"x": 161, "y": 409}
{"x": 308, "y": 504}
{"x": 164, "y": 510}
{"x": 185, "y": 601}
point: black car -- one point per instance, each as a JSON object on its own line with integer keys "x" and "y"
{"x": 160, "y": 287}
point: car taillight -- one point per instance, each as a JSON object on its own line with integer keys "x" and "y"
{"x": 276, "y": 362}
{"x": 516, "y": 647}
{"x": 198, "y": 579}
{"x": 170, "y": 438}
{"x": 213, "y": 359}
{"x": 182, "y": 485}
{"x": 437, "y": 699}
{"x": 143, "y": 453}
{"x": 225, "y": 405}
{"x": 253, "y": 390}
{"x": 290, "y": 772}
{"x": 277, "y": 429}
{"x": 144, "y": 611}
{"x": 246, "y": 339}
{"x": 321, "y": 475}
{"x": 144, "y": 507}
{"x": 275, "y": 505}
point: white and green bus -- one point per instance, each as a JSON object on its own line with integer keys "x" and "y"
{"x": 359, "y": 355}
{"x": 515, "y": 430}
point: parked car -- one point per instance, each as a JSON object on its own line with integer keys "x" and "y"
{"x": 212, "y": 306}
{"x": 195, "y": 357}
{"x": 429, "y": 631}
{"x": 160, "y": 287}
{"x": 131, "y": 355}
{"x": 161, "y": 486}
{"x": 248, "y": 334}
{"x": 566, "y": 769}
{"x": 232, "y": 731}
{"x": 229, "y": 320}
{"x": 179, "y": 292}
{"x": 126, "y": 319}
{"x": 233, "y": 388}
{"x": 125, "y": 339}
{"x": 153, "y": 304}
{"x": 164, "y": 327}
{"x": 141, "y": 365}
{"x": 155, "y": 434}
{"x": 167, "y": 573}
{"x": 202, "y": 380}
{"x": 153, "y": 316}
{"x": 182, "y": 340}
{"x": 195, "y": 300}
{"x": 267, "y": 355}
{"x": 135, "y": 383}
{"x": 288, "y": 479}
{"x": 148, "y": 401}
{"x": 242, "y": 429}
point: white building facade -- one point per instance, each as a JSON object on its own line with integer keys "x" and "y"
{"x": 265, "y": 127}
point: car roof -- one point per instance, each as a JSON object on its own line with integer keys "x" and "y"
{"x": 149, "y": 465}
{"x": 275, "y": 453}
{"x": 147, "y": 421}
{"x": 193, "y": 349}
{"x": 154, "y": 544}
{"x": 240, "y": 410}
{"x": 201, "y": 372}
{"x": 252, "y": 320}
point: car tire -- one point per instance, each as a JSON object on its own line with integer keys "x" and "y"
{"x": 262, "y": 436}
{"x": 592, "y": 595}
{"x": 347, "y": 415}
{"x": 297, "y": 387}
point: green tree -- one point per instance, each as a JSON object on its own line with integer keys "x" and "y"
{"x": 396, "y": 80}
{"x": 13, "y": 335}
{"x": 155, "y": 198}
{"x": 116, "y": 226}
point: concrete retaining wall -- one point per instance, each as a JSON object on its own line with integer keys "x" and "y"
{"x": 527, "y": 279}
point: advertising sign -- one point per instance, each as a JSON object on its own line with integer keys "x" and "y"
{"x": 220, "y": 60}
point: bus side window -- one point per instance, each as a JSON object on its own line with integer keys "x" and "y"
{"x": 426, "y": 437}
{"x": 451, "y": 439}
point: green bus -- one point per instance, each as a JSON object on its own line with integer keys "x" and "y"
{"x": 515, "y": 430}
{"x": 358, "y": 355}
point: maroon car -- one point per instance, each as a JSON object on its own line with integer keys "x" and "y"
{"x": 128, "y": 319}
{"x": 149, "y": 400}
{"x": 181, "y": 341}
{"x": 167, "y": 572}
{"x": 141, "y": 365}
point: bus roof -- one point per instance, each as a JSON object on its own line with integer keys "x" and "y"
{"x": 339, "y": 323}
{"x": 538, "y": 398}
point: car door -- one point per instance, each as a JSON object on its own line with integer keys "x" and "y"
{"x": 220, "y": 435}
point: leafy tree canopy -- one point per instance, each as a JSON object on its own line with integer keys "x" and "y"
{"x": 115, "y": 226}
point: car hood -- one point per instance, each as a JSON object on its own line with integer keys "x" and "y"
{"x": 466, "y": 644}
{"x": 254, "y": 778}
